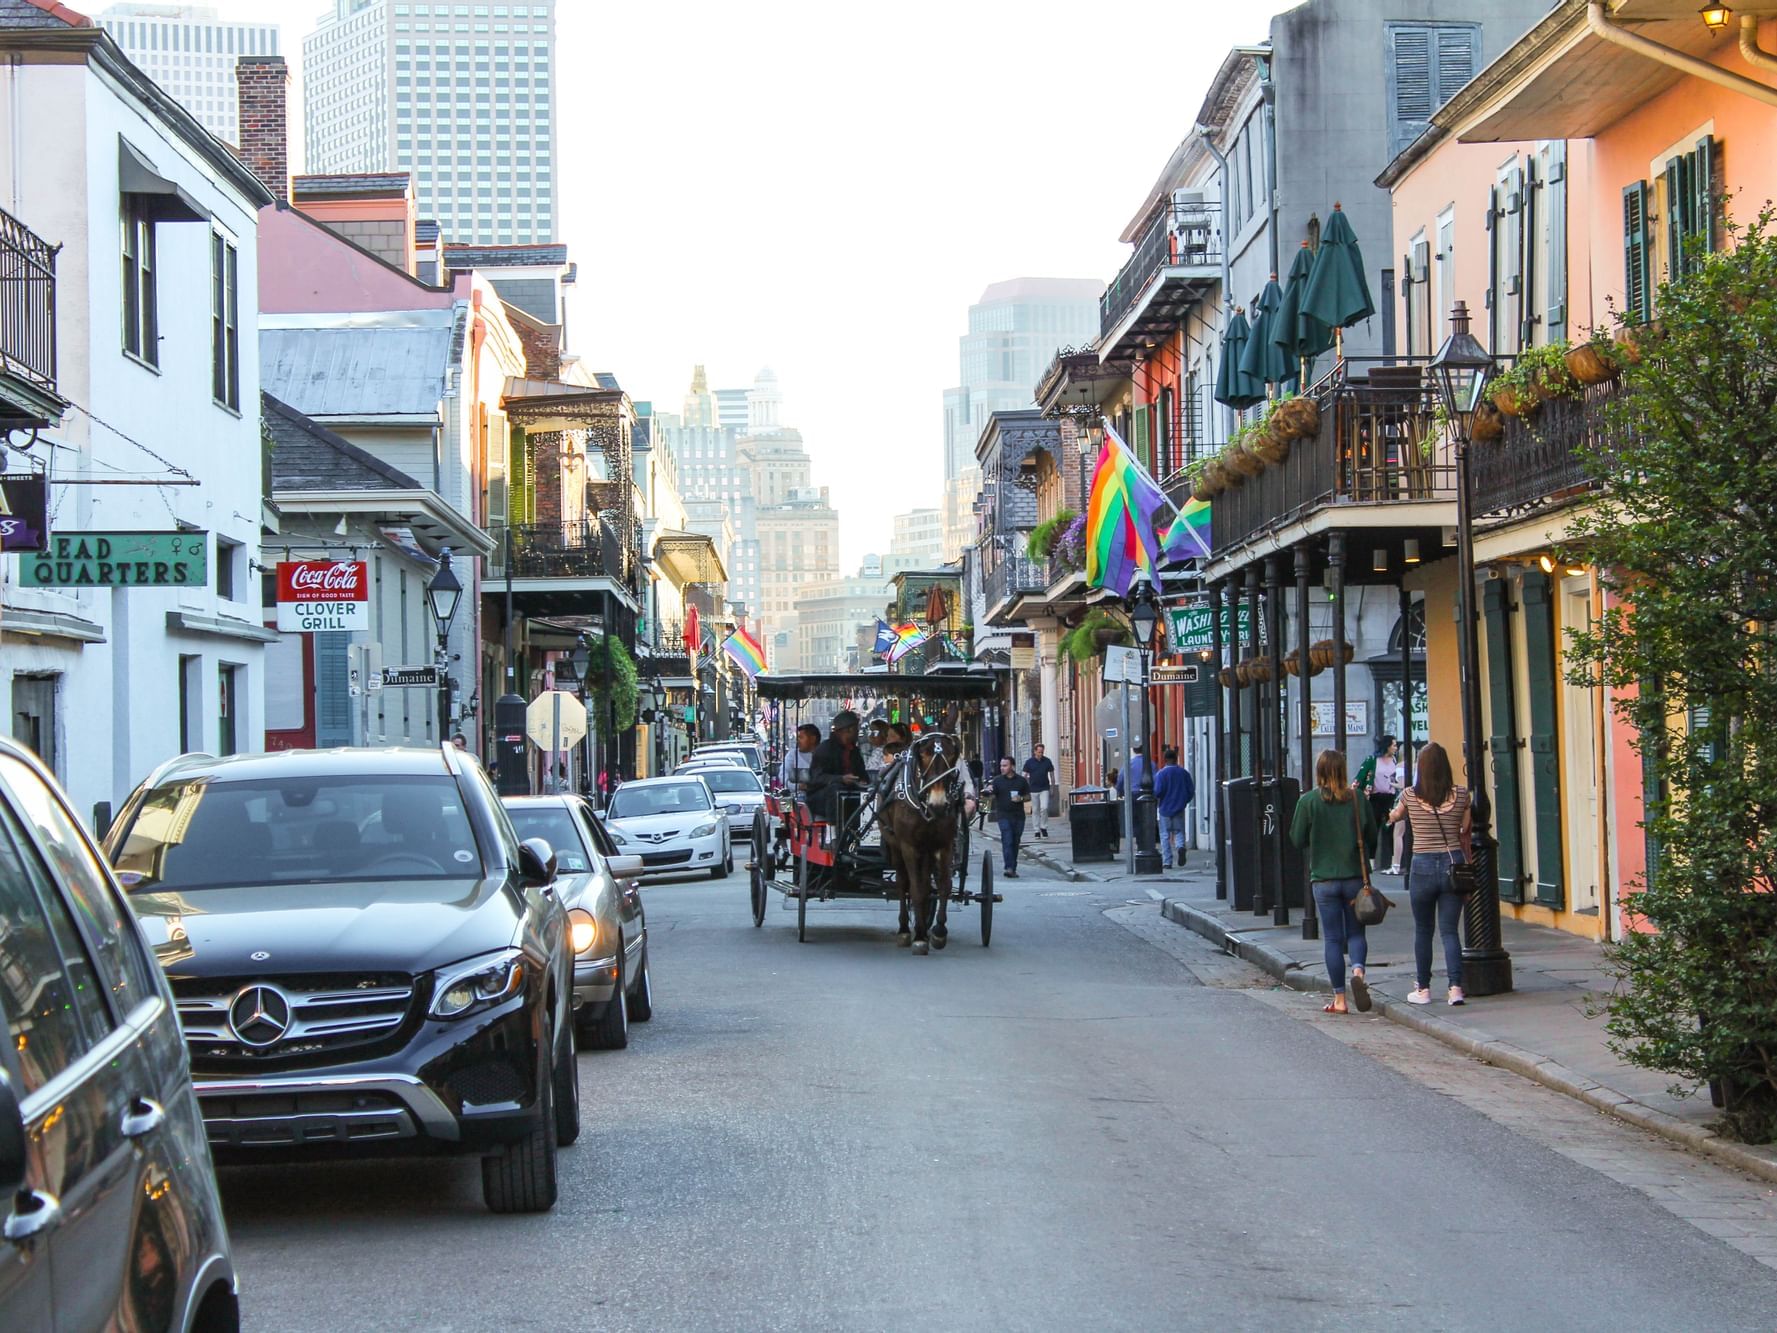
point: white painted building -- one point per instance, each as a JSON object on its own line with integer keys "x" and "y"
{"x": 190, "y": 50}
{"x": 108, "y": 682}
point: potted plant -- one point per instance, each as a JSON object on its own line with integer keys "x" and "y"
{"x": 1549, "y": 376}
{"x": 1489, "y": 424}
{"x": 1297, "y": 417}
{"x": 1242, "y": 459}
{"x": 1197, "y": 475}
{"x": 1044, "y": 536}
{"x": 1097, "y": 630}
{"x": 1069, "y": 549}
{"x": 1594, "y": 361}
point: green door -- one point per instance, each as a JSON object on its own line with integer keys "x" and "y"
{"x": 1502, "y": 741}
{"x": 1545, "y": 757}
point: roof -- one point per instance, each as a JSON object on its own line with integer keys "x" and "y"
{"x": 356, "y": 370}
{"x": 505, "y": 256}
{"x": 40, "y": 14}
{"x": 351, "y": 185}
{"x": 425, "y": 231}
{"x": 307, "y": 456}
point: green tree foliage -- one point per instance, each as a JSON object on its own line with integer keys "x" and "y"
{"x": 1685, "y": 533}
{"x": 623, "y": 682}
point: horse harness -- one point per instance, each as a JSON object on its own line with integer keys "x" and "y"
{"x": 905, "y": 786}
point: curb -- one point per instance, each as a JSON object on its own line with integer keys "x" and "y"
{"x": 1488, "y": 1049}
{"x": 1048, "y": 862}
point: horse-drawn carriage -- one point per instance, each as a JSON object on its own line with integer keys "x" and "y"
{"x": 904, "y": 838}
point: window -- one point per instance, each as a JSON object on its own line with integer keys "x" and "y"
{"x": 225, "y": 323}
{"x": 1505, "y": 261}
{"x": 141, "y": 326}
{"x": 228, "y": 692}
{"x": 228, "y": 555}
{"x": 1427, "y": 63}
{"x": 1683, "y": 194}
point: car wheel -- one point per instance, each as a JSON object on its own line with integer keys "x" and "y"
{"x": 641, "y": 1004}
{"x": 520, "y": 1177}
{"x": 567, "y": 1095}
{"x": 611, "y": 1030}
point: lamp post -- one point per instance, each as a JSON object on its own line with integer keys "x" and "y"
{"x": 443, "y": 594}
{"x": 1462, "y": 368}
{"x": 1144, "y": 614}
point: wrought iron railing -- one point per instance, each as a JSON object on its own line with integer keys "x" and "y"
{"x": 588, "y": 549}
{"x": 1377, "y": 444}
{"x": 27, "y": 304}
{"x": 1015, "y": 574}
{"x": 1184, "y": 235}
{"x": 1541, "y": 458}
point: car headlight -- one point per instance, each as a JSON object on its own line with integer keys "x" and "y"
{"x": 583, "y": 930}
{"x": 478, "y": 984}
{"x": 617, "y": 834}
{"x": 704, "y": 830}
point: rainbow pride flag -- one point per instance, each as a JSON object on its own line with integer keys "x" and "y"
{"x": 907, "y": 638}
{"x": 744, "y": 649}
{"x": 1188, "y": 536}
{"x": 1120, "y": 514}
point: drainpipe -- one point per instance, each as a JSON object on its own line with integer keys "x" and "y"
{"x": 1750, "y": 50}
{"x": 1203, "y": 133}
{"x": 1598, "y": 22}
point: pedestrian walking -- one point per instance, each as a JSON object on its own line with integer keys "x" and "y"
{"x": 1173, "y": 793}
{"x": 1437, "y": 812}
{"x": 1039, "y": 771}
{"x": 1011, "y": 789}
{"x": 1379, "y": 778}
{"x": 1331, "y": 824}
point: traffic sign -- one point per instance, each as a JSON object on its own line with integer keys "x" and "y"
{"x": 410, "y": 677}
{"x": 555, "y": 720}
{"x": 1122, "y": 663}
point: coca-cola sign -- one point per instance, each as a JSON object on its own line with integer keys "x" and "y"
{"x": 316, "y": 595}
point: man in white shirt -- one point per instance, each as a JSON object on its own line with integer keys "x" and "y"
{"x": 794, "y": 771}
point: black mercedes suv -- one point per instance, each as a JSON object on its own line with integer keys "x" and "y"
{"x": 365, "y": 958}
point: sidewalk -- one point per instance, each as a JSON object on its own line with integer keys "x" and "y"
{"x": 1542, "y": 1029}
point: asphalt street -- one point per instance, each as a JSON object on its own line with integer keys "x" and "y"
{"x": 1099, "y": 1122}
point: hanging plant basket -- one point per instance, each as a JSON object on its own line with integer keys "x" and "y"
{"x": 1106, "y": 635}
{"x": 1515, "y": 401}
{"x": 1325, "y": 653}
{"x": 1589, "y": 363}
{"x": 1292, "y": 662}
{"x": 1243, "y": 460}
{"x": 1489, "y": 425}
{"x": 1215, "y": 475}
{"x": 1229, "y": 678}
{"x": 1243, "y": 674}
{"x": 1257, "y": 669}
{"x": 1270, "y": 444}
{"x": 1297, "y": 418}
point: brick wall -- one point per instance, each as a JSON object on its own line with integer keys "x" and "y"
{"x": 542, "y": 349}
{"x": 386, "y": 239}
{"x": 263, "y": 84}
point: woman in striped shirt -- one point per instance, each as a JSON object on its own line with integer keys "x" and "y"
{"x": 1438, "y": 812}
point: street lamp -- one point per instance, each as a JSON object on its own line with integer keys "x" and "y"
{"x": 1144, "y": 614}
{"x": 443, "y": 594}
{"x": 1461, "y": 370}
{"x": 581, "y": 657}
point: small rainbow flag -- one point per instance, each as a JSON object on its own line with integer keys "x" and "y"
{"x": 745, "y": 651}
{"x": 907, "y": 638}
{"x": 1188, "y": 537}
{"x": 1120, "y": 513}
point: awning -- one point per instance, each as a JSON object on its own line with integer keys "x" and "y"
{"x": 166, "y": 201}
{"x": 688, "y": 557}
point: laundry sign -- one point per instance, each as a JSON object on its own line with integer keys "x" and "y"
{"x": 315, "y": 595}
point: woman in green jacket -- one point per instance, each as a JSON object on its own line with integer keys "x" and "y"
{"x": 1331, "y": 824}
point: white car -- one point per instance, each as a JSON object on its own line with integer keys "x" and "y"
{"x": 673, "y": 824}
{"x": 749, "y": 753}
{"x": 738, "y": 791}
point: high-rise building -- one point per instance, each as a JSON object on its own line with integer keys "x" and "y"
{"x": 731, "y": 408}
{"x": 798, "y": 546}
{"x": 919, "y": 534}
{"x": 460, "y": 95}
{"x": 190, "y": 51}
{"x": 1015, "y": 329}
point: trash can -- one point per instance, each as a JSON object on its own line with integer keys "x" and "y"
{"x": 1256, "y": 815}
{"x": 1092, "y": 817}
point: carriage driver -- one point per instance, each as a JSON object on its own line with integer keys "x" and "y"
{"x": 837, "y": 765}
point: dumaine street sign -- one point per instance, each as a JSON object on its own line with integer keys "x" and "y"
{"x": 119, "y": 560}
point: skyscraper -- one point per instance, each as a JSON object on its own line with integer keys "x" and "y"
{"x": 191, "y": 52}
{"x": 460, "y": 95}
{"x": 1015, "y": 330}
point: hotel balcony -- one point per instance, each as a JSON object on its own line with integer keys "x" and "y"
{"x": 1177, "y": 263}
{"x": 28, "y": 397}
{"x": 1539, "y": 462}
{"x": 1012, "y": 582}
{"x": 562, "y": 569}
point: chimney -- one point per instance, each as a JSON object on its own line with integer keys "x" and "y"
{"x": 264, "y": 91}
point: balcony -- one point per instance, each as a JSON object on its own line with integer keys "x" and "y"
{"x": 1176, "y": 262}
{"x": 1369, "y": 460}
{"x": 1539, "y": 461}
{"x": 555, "y": 565}
{"x": 1014, "y": 577}
{"x": 28, "y": 397}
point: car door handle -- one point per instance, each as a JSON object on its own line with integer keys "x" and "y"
{"x": 33, "y": 1214}
{"x": 143, "y": 1117}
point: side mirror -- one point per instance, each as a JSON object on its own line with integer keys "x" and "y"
{"x": 12, "y": 1139}
{"x": 624, "y": 867}
{"x": 536, "y": 862}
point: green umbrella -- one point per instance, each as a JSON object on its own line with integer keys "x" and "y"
{"x": 1233, "y": 387}
{"x": 1302, "y": 337}
{"x": 1262, "y": 359}
{"x": 1337, "y": 293}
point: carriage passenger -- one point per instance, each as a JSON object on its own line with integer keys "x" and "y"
{"x": 836, "y": 766}
{"x": 794, "y": 773}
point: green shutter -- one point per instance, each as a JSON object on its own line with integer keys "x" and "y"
{"x": 1502, "y": 743}
{"x": 1702, "y": 189}
{"x": 1638, "y": 298}
{"x": 1678, "y": 215}
{"x": 1141, "y": 436}
{"x": 1545, "y": 759}
{"x": 1555, "y": 192}
{"x": 1528, "y": 314}
{"x": 521, "y": 505}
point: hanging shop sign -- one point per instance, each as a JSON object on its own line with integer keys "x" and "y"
{"x": 318, "y": 595}
{"x": 24, "y": 511}
{"x": 120, "y": 560}
{"x": 1191, "y": 628}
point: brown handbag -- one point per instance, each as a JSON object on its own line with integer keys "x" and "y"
{"x": 1371, "y": 904}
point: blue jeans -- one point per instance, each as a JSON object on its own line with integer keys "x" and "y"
{"x": 1340, "y": 930}
{"x": 1436, "y": 904}
{"x": 1011, "y": 830}
{"x": 1172, "y": 832}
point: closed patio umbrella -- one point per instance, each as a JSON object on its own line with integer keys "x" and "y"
{"x": 1301, "y": 336}
{"x": 1233, "y": 386}
{"x": 1338, "y": 294}
{"x": 1262, "y": 358}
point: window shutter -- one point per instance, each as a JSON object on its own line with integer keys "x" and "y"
{"x": 1141, "y": 436}
{"x": 333, "y": 688}
{"x": 1410, "y": 91}
{"x": 1555, "y": 198}
{"x": 1408, "y": 288}
{"x": 1678, "y": 215}
{"x": 1637, "y": 298}
{"x": 1545, "y": 761}
{"x": 1493, "y": 269}
{"x": 1502, "y": 742}
{"x": 1703, "y": 192}
{"x": 1529, "y": 232}
{"x": 1457, "y": 48}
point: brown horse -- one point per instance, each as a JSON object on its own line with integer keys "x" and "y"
{"x": 919, "y": 822}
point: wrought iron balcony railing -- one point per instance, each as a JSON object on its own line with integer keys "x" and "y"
{"x": 27, "y": 305}
{"x": 1013, "y": 576}
{"x": 1541, "y": 458}
{"x": 1186, "y": 235}
{"x": 1377, "y": 444}
{"x": 587, "y": 549}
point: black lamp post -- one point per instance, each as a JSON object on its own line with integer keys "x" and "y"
{"x": 1462, "y": 368}
{"x": 443, "y": 594}
{"x": 1144, "y": 614}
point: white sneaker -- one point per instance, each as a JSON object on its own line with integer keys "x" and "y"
{"x": 1456, "y": 996}
{"x": 1420, "y": 996}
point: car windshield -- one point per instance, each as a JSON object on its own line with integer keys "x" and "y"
{"x": 664, "y": 798}
{"x": 555, "y": 825}
{"x": 202, "y": 834}
{"x": 730, "y": 779}
{"x": 745, "y": 753}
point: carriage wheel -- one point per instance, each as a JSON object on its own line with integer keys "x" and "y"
{"x": 802, "y": 878}
{"x": 961, "y": 858}
{"x": 756, "y": 877}
{"x": 986, "y": 898}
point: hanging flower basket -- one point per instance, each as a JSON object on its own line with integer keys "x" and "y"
{"x": 1297, "y": 418}
{"x": 1106, "y": 635}
{"x": 1292, "y": 662}
{"x": 1229, "y": 677}
{"x": 1215, "y": 476}
{"x": 1489, "y": 424}
{"x": 1515, "y": 401}
{"x": 1258, "y": 670}
{"x": 1589, "y": 363}
{"x": 1270, "y": 444}
{"x": 1243, "y": 460}
{"x": 1243, "y": 673}
{"x": 1325, "y": 653}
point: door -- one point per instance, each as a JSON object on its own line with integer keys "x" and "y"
{"x": 34, "y": 717}
{"x": 1582, "y": 777}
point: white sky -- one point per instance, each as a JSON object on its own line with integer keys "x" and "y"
{"x": 826, "y": 188}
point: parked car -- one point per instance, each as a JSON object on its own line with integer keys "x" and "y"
{"x": 111, "y": 1216}
{"x": 724, "y": 759}
{"x": 673, "y": 823}
{"x": 607, "y": 927}
{"x": 366, "y": 959}
{"x": 740, "y": 795}
{"x": 750, "y": 751}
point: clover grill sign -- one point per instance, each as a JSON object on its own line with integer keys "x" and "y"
{"x": 323, "y": 595}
